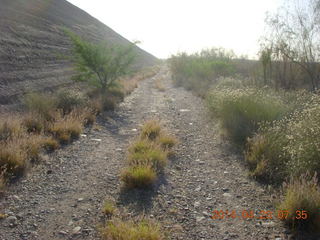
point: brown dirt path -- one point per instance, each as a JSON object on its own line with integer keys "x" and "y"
{"x": 68, "y": 190}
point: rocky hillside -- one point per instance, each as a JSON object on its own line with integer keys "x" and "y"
{"x": 32, "y": 44}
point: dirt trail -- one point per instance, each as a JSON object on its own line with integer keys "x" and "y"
{"x": 67, "y": 191}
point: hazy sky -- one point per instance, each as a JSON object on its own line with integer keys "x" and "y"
{"x": 168, "y": 26}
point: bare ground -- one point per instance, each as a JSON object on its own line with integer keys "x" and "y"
{"x": 67, "y": 190}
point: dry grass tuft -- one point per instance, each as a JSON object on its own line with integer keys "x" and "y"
{"x": 154, "y": 157}
{"x": 117, "y": 229}
{"x": 302, "y": 194}
{"x": 151, "y": 129}
{"x": 167, "y": 141}
{"x": 108, "y": 208}
{"x": 139, "y": 176}
{"x": 10, "y": 128}
{"x": 13, "y": 158}
{"x": 67, "y": 128}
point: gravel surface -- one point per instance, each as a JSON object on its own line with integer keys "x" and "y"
{"x": 62, "y": 197}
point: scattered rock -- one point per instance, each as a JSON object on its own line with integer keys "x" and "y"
{"x": 199, "y": 219}
{"x": 76, "y": 230}
{"x": 196, "y": 204}
{"x": 96, "y": 139}
{"x": 227, "y": 195}
{"x": 63, "y": 233}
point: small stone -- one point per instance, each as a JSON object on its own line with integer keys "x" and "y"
{"x": 96, "y": 139}
{"x": 134, "y": 130}
{"x": 198, "y": 189}
{"x": 80, "y": 199}
{"x": 63, "y": 233}
{"x": 83, "y": 135}
{"x": 118, "y": 149}
{"x": 76, "y": 230}
{"x": 190, "y": 124}
{"x": 16, "y": 198}
{"x": 196, "y": 204}
{"x": 227, "y": 195}
{"x": 12, "y": 220}
{"x": 199, "y": 219}
{"x": 268, "y": 224}
{"x": 184, "y": 110}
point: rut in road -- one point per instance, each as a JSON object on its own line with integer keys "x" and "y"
{"x": 67, "y": 191}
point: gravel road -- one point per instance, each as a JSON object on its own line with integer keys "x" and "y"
{"x": 61, "y": 198}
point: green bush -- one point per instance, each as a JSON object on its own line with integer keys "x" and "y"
{"x": 199, "y": 71}
{"x": 288, "y": 147}
{"x": 41, "y": 103}
{"x": 242, "y": 110}
{"x": 68, "y": 100}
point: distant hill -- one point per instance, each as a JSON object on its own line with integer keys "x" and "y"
{"x": 31, "y": 41}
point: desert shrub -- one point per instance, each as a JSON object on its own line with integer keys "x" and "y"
{"x": 13, "y": 158}
{"x": 290, "y": 146}
{"x": 109, "y": 102}
{"x": 302, "y": 194}
{"x": 49, "y": 144}
{"x": 41, "y": 103}
{"x": 10, "y": 128}
{"x": 199, "y": 71}
{"x": 67, "y": 127}
{"x": 100, "y": 65}
{"x": 68, "y": 100}
{"x": 129, "y": 230}
{"x": 139, "y": 176}
{"x": 34, "y": 123}
{"x": 242, "y": 110}
{"x": 151, "y": 129}
{"x": 32, "y": 144}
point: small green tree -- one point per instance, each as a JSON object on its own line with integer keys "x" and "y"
{"x": 100, "y": 64}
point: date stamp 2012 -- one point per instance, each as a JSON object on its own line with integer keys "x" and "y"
{"x": 260, "y": 215}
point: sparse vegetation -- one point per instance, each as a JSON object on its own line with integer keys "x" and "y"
{"x": 139, "y": 176}
{"x": 151, "y": 130}
{"x": 102, "y": 64}
{"x": 117, "y": 229}
{"x": 108, "y": 208}
{"x": 147, "y": 156}
{"x": 302, "y": 201}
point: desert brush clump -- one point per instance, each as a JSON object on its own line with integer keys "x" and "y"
{"x": 66, "y": 128}
{"x": 197, "y": 72}
{"x": 117, "y": 229}
{"x": 302, "y": 202}
{"x": 288, "y": 147}
{"x": 13, "y": 158}
{"x": 241, "y": 111}
{"x": 147, "y": 155}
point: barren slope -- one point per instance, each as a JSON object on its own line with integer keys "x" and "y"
{"x": 32, "y": 43}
